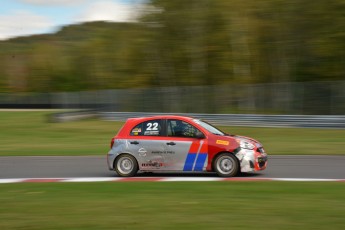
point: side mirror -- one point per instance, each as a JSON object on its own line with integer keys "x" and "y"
{"x": 199, "y": 135}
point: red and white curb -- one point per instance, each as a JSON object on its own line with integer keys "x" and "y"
{"x": 158, "y": 179}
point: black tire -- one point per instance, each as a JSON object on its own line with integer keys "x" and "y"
{"x": 126, "y": 165}
{"x": 226, "y": 165}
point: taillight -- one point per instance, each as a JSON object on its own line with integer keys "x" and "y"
{"x": 112, "y": 143}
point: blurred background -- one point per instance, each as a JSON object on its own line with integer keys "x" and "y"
{"x": 196, "y": 56}
{"x": 230, "y": 57}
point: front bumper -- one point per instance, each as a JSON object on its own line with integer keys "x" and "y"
{"x": 252, "y": 160}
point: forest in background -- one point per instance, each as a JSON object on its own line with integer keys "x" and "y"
{"x": 184, "y": 43}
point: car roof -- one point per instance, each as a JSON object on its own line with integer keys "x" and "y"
{"x": 162, "y": 117}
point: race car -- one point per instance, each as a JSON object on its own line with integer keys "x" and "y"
{"x": 181, "y": 144}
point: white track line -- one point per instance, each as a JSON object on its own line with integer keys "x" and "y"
{"x": 90, "y": 179}
{"x": 171, "y": 179}
{"x": 158, "y": 179}
{"x": 305, "y": 179}
{"x": 7, "y": 181}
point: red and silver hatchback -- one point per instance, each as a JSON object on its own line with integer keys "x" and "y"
{"x": 177, "y": 143}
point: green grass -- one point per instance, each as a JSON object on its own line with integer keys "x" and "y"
{"x": 30, "y": 133}
{"x": 296, "y": 141}
{"x": 173, "y": 205}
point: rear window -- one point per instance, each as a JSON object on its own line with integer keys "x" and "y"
{"x": 148, "y": 128}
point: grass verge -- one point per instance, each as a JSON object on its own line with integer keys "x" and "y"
{"x": 30, "y": 133}
{"x": 173, "y": 205}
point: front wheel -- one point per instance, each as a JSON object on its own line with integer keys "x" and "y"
{"x": 126, "y": 165}
{"x": 226, "y": 165}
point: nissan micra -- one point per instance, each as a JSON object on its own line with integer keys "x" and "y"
{"x": 181, "y": 144}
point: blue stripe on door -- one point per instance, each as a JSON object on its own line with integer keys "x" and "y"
{"x": 188, "y": 165}
{"x": 200, "y": 162}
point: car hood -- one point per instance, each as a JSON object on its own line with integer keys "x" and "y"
{"x": 248, "y": 139}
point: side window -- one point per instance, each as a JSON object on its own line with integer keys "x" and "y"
{"x": 178, "y": 128}
{"x": 148, "y": 128}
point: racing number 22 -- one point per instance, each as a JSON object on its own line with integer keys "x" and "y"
{"x": 152, "y": 126}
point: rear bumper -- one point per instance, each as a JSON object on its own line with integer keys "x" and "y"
{"x": 110, "y": 160}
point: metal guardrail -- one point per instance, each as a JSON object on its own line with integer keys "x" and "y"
{"x": 306, "y": 121}
{"x": 326, "y": 98}
{"x": 72, "y": 115}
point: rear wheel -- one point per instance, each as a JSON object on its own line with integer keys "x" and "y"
{"x": 226, "y": 165}
{"x": 126, "y": 165}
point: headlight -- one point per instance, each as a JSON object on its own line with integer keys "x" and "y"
{"x": 246, "y": 145}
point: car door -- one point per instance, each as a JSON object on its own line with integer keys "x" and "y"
{"x": 147, "y": 144}
{"x": 186, "y": 147}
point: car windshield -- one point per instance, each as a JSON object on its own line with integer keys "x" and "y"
{"x": 209, "y": 127}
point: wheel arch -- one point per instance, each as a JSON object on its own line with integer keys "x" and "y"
{"x": 223, "y": 152}
{"x": 125, "y": 153}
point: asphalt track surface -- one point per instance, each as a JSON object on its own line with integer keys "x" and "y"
{"x": 317, "y": 167}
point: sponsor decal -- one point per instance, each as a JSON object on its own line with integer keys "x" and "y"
{"x": 221, "y": 142}
{"x": 136, "y": 131}
{"x": 154, "y": 164}
{"x": 163, "y": 152}
{"x": 151, "y": 133}
{"x": 142, "y": 152}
